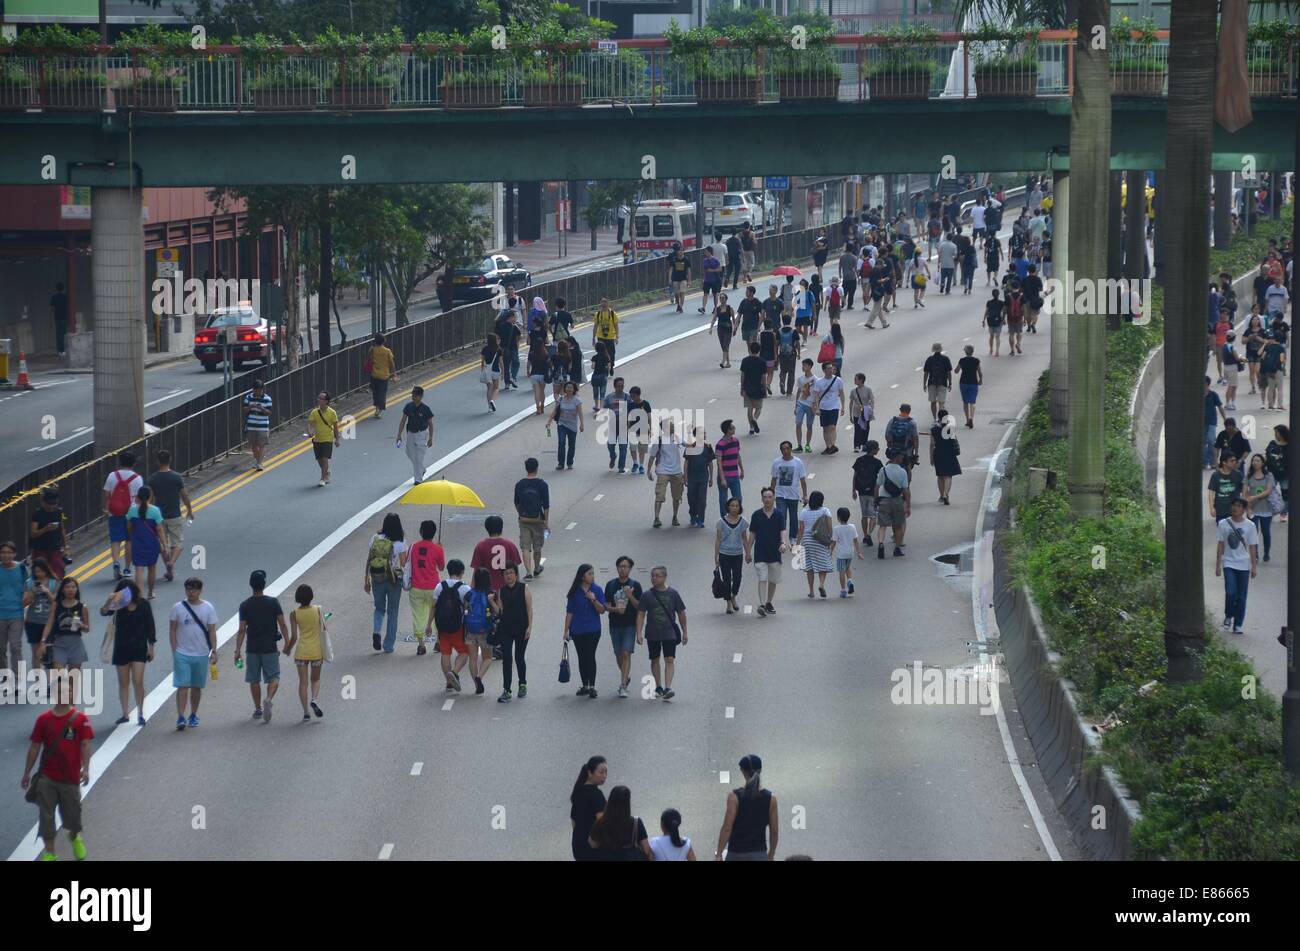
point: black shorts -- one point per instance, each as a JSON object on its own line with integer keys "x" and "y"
{"x": 830, "y": 417}
{"x": 667, "y": 648}
{"x": 323, "y": 450}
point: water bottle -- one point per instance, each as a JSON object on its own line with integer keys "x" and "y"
{"x": 328, "y": 615}
{"x": 212, "y": 670}
{"x": 239, "y": 663}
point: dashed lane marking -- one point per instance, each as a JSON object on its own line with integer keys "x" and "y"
{"x": 735, "y": 658}
{"x": 447, "y": 705}
{"x": 724, "y": 776}
{"x": 570, "y": 526}
{"x": 386, "y": 852}
{"x": 730, "y": 713}
{"x": 417, "y": 769}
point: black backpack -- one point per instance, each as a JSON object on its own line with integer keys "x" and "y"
{"x": 530, "y": 503}
{"x": 449, "y": 609}
{"x": 898, "y": 433}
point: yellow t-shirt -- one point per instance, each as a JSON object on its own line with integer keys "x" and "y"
{"x": 323, "y": 424}
{"x": 384, "y": 363}
{"x": 309, "y": 645}
{"x": 606, "y": 325}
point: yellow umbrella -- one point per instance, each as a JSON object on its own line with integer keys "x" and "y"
{"x": 440, "y": 492}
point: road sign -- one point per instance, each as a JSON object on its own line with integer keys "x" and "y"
{"x": 562, "y": 214}
{"x": 777, "y": 183}
{"x": 712, "y": 199}
{"x": 607, "y": 46}
{"x": 713, "y": 185}
{"x": 167, "y": 261}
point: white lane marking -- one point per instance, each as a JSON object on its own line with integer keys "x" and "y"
{"x": 724, "y": 777}
{"x": 916, "y": 369}
{"x": 980, "y": 592}
{"x": 735, "y": 658}
{"x": 29, "y": 849}
{"x": 163, "y": 399}
{"x": 570, "y": 526}
{"x": 598, "y": 497}
{"x": 812, "y": 475}
{"x": 730, "y": 713}
{"x": 50, "y": 445}
{"x": 749, "y": 609}
{"x": 447, "y": 705}
{"x": 893, "y": 386}
{"x": 714, "y": 400}
{"x": 417, "y": 769}
{"x": 386, "y": 852}
{"x": 542, "y": 563}
{"x": 965, "y": 339}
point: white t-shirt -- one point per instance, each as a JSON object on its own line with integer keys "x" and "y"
{"x": 826, "y": 393}
{"x": 1275, "y": 299}
{"x": 845, "y": 534}
{"x": 977, "y": 216}
{"x": 132, "y": 479}
{"x": 1236, "y": 552}
{"x": 787, "y": 476}
{"x": 664, "y": 850}
{"x": 800, "y": 383}
{"x": 809, "y": 518}
{"x": 191, "y": 638}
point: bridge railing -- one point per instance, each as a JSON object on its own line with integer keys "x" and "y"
{"x": 637, "y": 72}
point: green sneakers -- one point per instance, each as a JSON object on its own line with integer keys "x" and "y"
{"x": 49, "y": 857}
{"x": 79, "y": 847}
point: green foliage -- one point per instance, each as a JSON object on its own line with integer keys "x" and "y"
{"x": 1276, "y": 34}
{"x": 376, "y": 61}
{"x": 1132, "y": 46}
{"x": 811, "y": 63}
{"x": 605, "y": 197}
{"x": 623, "y": 75}
{"x": 996, "y": 49}
{"x": 907, "y": 50}
{"x": 156, "y": 50}
{"x": 1203, "y": 761}
{"x": 55, "y": 38}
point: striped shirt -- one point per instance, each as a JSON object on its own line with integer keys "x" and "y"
{"x": 728, "y": 450}
{"x": 259, "y": 420}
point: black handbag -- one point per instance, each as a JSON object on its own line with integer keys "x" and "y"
{"x": 564, "y": 664}
{"x": 719, "y": 587}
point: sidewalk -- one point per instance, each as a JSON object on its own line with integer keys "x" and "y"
{"x": 542, "y": 256}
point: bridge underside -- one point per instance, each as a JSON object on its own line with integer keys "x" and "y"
{"x": 323, "y": 148}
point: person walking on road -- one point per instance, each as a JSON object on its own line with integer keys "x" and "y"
{"x": 533, "y": 506}
{"x": 144, "y": 521}
{"x": 917, "y": 277}
{"x": 848, "y": 268}
{"x": 936, "y": 378}
{"x": 1278, "y": 452}
{"x": 862, "y": 410}
{"x": 866, "y": 469}
{"x": 417, "y": 424}
{"x": 947, "y": 263}
{"x": 514, "y": 607}
{"x": 64, "y": 638}
{"x": 617, "y": 835}
{"x": 307, "y": 631}
{"x": 712, "y": 279}
{"x": 39, "y": 592}
{"x": 13, "y": 595}
{"x": 257, "y": 407}
{"x": 767, "y": 539}
{"x": 734, "y": 261}
{"x": 679, "y": 276}
{"x": 748, "y": 249}
{"x": 600, "y": 367}
{"x": 1258, "y": 492}
{"x": 561, "y": 365}
{"x": 261, "y": 621}
{"x": 480, "y": 618}
{"x": 847, "y": 546}
{"x": 753, "y": 388}
{"x": 60, "y": 740}
{"x": 639, "y": 417}
{"x": 731, "y": 543}
{"x": 790, "y": 483}
{"x": 666, "y": 456}
{"x": 134, "y": 637}
{"x": 731, "y": 468}
{"x": 1236, "y": 560}
{"x": 539, "y": 371}
{"x": 623, "y": 598}
{"x": 994, "y": 310}
{"x": 506, "y": 330}
{"x": 495, "y": 551}
{"x": 944, "y": 450}
{"x": 383, "y": 370}
{"x": 615, "y": 407}
{"x": 490, "y": 369}
{"x": 816, "y": 535}
{"x": 661, "y": 624}
{"x": 724, "y": 318}
{"x": 324, "y": 422}
{"x": 604, "y": 329}
{"x": 893, "y": 501}
{"x": 699, "y": 462}
{"x": 672, "y": 846}
{"x": 584, "y": 605}
{"x": 970, "y": 380}
{"x": 382, "y": 579}
{"x": 424, "y": 562}
{"x": 192, "y": 626}
{"x": 449, "y": 618}
{"x": 586, "y": 802}
{"x": 169, "y": 493}
{"x": 803, "y": 407}
{"x": 119, "y": 492}
{"x": 751, "y": 827}
{"x": 48, "y": 537}
{"x": 827, "y": 395}
{"x": 568, "y": 419}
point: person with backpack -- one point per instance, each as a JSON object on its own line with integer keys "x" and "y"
{"x": 584, "y": 604}
{"x": 992, "y": 258}
{"x": 816, "y": 534}
{"x": 513, "y": 605}
{"x": 481, "y": 615}
{"x": 604, "y": 329}
{"x": 324, "y": 422}
{"x": 834, "y": 300}
{"x": 381, "y": 367}
{"x": 385, "y": 564}
{"x": 449, "y": 618}
{"x": 901, "y": 435}
{"x": 423, "y": 562}
{"x": 787, "y": 353}
{"x": 936, "y": 378}
{"x": 827, "y": 396}
{"x": 119, "y": 492}
{"x": 533, "y": 506}
{"x": 893, "y": 500}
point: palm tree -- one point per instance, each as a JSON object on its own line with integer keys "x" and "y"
{"x": 1187, "y": 261}
{"x": 1087, "y": 238}
{"x": 1052, "y": 14}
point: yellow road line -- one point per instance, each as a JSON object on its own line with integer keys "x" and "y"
{"x": 102, "y": 560}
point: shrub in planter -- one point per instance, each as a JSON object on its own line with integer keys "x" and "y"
{"x": 1006, "y": 61}
{"x": 275, "y": 81}
{"x": 156, "y": 76}
{"x": 17, "y": 85}
{"x": 473, "y": 89}
{"x": 1135, "y": 68}
{"x": 905, "y": 64}
{"x": 473, "y": 72}
{"x": 363, "y": 73}
{"x": 68, "y": 66}
{"x": 1268, "y": 46}
{"x": 74, "y": 89}
{"x": 719, "y": 74}
{"x": 542, "y": 88}
{"x": 806, "y": 74}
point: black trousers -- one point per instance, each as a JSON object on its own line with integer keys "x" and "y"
{"x": 517, "y": 646}
{"x": 731, "y": 567}
{"x": 585, "y": 644}
{"x": 850, "y": 288}
{"x": 697, "y": 497}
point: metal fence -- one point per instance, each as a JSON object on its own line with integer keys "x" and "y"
{"x": 216, "y": 428}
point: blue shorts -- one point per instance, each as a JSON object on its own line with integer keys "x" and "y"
{"x": 267, "y": 665}
{"x": 969, "y": 391}
{"x": 189, "y": 671}
{"x": 803, "y": 413}
{"x": 623, "y": 639}
{"x": 117, "y": 529}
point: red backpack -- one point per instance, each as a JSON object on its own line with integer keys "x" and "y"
{"x": 119, "y": 500}
{"x": 835, "y": 299}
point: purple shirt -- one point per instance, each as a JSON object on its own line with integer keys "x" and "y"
{"x": 712, "y": 270}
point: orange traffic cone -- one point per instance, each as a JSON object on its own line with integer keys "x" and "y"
{"x": 22, "y": 370}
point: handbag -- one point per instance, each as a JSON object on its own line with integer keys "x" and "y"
{"x": 326, "y": 646}
{"x": 110, "y": 634}
{"x": 368, "y": 368}
{"x": 33, "y": 792}
{"x": 719, "y": 589}
{"x": 1275, "y": 501}
{"x": 564, "y": 664}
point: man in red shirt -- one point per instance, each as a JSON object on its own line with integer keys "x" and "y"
{"x": 61, "y": 738}
{"x": 495, "y": 552}
{"x": 425, "y": 561}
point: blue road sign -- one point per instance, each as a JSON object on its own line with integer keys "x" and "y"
{"x": 777, "y": 183}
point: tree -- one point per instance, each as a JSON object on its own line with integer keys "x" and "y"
{"x": 605, "y": 197}
{"x": 288, "y": 207}
{"x": 1089, "y": 173}
{"x": 1052, "y": 14}
{"x": 1187, "y": 264}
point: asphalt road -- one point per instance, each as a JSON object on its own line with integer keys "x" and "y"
{"x": 396, "y": 773}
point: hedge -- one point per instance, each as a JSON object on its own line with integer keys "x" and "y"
{"x": 1203, "y": 760}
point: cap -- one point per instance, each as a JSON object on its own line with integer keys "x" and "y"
{"x": 751, "y": 763}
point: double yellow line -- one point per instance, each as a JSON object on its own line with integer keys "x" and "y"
{"x": 104, "y": 559}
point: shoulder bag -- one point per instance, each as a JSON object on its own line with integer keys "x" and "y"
{"x": 110, "y": 635}
{"x": 326, "y": 646}
{"x": 677, "y": 631}
{"x": 368, "y": 368}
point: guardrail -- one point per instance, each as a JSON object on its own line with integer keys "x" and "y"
{"x": 217, "y": 430}
{"x": 632, "y": 72}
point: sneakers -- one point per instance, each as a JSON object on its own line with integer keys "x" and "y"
{"x": 898, "y": 552}
{"x": 622, "y": 691}
{"x": 492, "y": 406}
{"x": 49, "y": 857}
{"x": 675, "y": 522}
{"x": 591, "y": 693}
{"x": 451, "y": 682}
{"x": 851, "y": 588}
{"x": 583, "y": 691}
{"x": 523, "y": 690}
{"x": 762, "y": 610}
{"x": 117, "y": 572}
{"x": 880, "y": 550}
{"x": 1227, "y": 623}
{"x": 505, "y": 697}
{"x": 321, "y": 483}
{"x": 193, "y": 721}
{"x": 1237, "y": 630}
{"x": 455, "y": 680}
{"x": 180, "y": 721}
{"x": 669, "y": 693}
{"x": 266, "y": 710}
{"x": 257, "y": 714}
{"x": 537, "y": 572}
{"x": 126, "y": 571}
{"x": 478, "y": 685}
{"x": 315, "y": 708}
{"x": 843, "y": 593}
{"x": 79, "y": 847}
{"x": 658, "y": 524}
{"x": 378, "y": 642}
{"x": 421, "y": 650}
{"x": 659, "y": 692}
{"x": 770, "y": 608}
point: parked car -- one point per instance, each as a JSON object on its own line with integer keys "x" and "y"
{"x": 478, "y": 282}
{"x": 768, "y": 203}
{"x": 737, "y": 208}
{"x": 250, "y": 340}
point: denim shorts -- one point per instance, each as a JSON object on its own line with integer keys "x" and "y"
{"x": 803, "y": 413}
{"x": 266, "y": 665}
{"x": 969, "y": 391}
{"x": 189, "y": 670}
{"x": 623, "y": 639}
{"x": 117, "y": 529}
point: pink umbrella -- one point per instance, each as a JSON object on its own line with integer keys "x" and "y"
{"x": 787, "y": 269}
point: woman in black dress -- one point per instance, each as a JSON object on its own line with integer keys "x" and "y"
{"x": 944, "y": 450}
{"x": 586, "y": 803}
{"x": 724, "y": 318}
{"x": 133, "y": 643}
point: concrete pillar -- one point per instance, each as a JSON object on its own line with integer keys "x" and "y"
{"x": 1135, "y": 226}
{"x": 117, "y": 271}
{"x": 1059, "y": 377}
{"x": 1115, "y": 239}
{"x": 1222, "y": 210}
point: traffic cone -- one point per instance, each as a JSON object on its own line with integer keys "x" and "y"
{"x": 23, "y": 381}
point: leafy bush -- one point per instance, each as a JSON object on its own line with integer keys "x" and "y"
{"x": 1132, "y": 48}
{"x": 907, "y": 50}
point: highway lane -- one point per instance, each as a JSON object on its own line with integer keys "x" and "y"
{"x": 874, "y": 779}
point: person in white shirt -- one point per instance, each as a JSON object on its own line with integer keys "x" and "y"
{"x": 192, "y": 627}
{"x": 803, "y": 407}
{"x": 977, "y": 219}
{"x": 790, "y": 483}
{"x": 1236, "y": 560}
{"x": 672, "y": 846}
{"x": 666, "y": 456}
{"x": 826, "y": 394}
{"x": 846, "y": 537}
